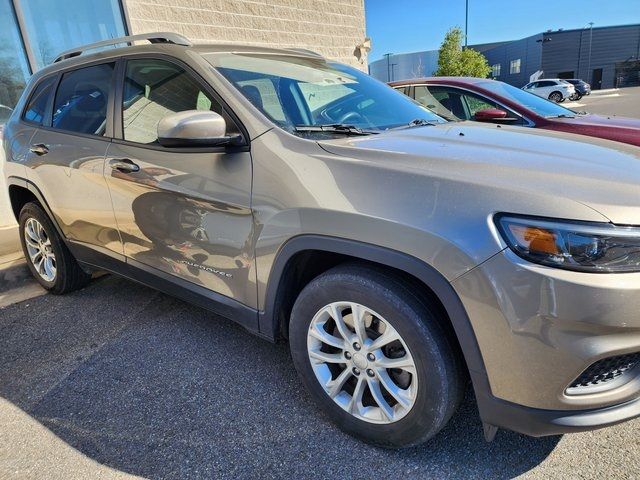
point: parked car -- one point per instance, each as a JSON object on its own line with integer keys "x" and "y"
{"x": 5, "y": 113}
{"x": 582, "y": 88}
{"x": 485, "y": 100}
{"x": 399, "y": 254}
{"x": 554, "y": 89}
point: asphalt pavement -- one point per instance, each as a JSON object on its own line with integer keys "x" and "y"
{"x": 623, "y": 102}
{"x": 118, "y": 380}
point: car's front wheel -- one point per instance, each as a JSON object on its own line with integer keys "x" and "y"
{"x": 556, "y": 97}
{"x": 48, "y": 258}
{"x": 375, "y": 357}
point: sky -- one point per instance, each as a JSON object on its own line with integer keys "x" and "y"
{"x": 399, "y": 26}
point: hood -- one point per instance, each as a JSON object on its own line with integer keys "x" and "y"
{"x": 619, "y": 129}
{"x": 601, "y": 121}
{"x": 601, "y": 174}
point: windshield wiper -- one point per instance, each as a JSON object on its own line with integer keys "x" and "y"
{"x": 562, "y": 115}
{"x": 334, "y": 128}
{"x": 418, "y": 122}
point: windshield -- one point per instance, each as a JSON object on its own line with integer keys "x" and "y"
{"x": 296, "y": 91}
{"x": 539, "y": 105}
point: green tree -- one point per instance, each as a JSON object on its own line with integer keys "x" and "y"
{"x": 455, "y": 61}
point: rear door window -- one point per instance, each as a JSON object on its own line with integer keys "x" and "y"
{"x": 35, "y": 110}
{"x": 444, "y": 101}
{"x": 82, "y": 99}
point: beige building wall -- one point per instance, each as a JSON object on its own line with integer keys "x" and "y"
{"x": 333, "y": 28}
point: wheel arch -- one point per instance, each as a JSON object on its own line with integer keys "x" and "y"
{"x": 22, "y": 191}
{"x": 281, "y": 288}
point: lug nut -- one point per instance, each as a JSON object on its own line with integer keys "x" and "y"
{"x": 371, "y": 357}
{"x": 356, "y": 346}
{"x": 347, "y": 355}
{"x": 370, "y": 372}
{"x": 355, "y": 371}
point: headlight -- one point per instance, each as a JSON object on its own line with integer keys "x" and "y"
{"x": 582, "y": 246}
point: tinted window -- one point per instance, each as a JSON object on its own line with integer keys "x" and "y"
{"x": 82, "y": 99}
{"x": 35, "y": 109}
{"x": 546, "y": 84}
{"x": 449, "y": 101}
{"x": 154, "y": 89}
{"x": 538, "y": 105}
{"x": 432, "y": 98}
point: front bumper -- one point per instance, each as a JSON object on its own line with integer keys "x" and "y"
{"x": 539, "y": 423}
{"x": 538, "y": 329}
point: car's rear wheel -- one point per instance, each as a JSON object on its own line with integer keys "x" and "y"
{"x": 375, "y": 357}
{"x": 48, "y": 258}
{"x": 556, "y": 97}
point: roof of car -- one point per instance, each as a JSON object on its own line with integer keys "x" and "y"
{"x": 448, "y": 80}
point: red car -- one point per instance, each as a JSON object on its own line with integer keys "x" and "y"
{"x": 484, "y": 100}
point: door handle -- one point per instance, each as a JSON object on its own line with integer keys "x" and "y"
{"x": 39, "y": 149}
{"x": 124, "y": 165}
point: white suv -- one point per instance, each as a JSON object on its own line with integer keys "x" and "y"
{"x": 555, "y": 89}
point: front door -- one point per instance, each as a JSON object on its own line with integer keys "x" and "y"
{"x": 596, "y": 81}
{"x": 184, "y": 212}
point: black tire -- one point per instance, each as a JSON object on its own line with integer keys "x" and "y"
{"x": 440, "y": 371}
{"x": 556, "y": 97}
{"x": 69, "y": 276}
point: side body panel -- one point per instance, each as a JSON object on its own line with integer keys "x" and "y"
{"x": 188, "y": 215}
{"x": 428, "y": 208}
{"x": 70, "y": 176}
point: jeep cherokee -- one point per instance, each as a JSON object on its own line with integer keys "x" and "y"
{"x": 398, "y": 253}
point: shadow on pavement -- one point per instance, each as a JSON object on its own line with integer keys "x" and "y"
{"x": 151, "y": 386}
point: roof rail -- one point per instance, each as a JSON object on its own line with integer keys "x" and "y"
{"x": 156, "y": 37}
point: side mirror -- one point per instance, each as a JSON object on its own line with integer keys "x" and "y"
{"x": 491, "y": 115}
{"x": 193, "y": 128}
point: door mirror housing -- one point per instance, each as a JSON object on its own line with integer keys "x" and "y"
{"x": 193, "y": 128}
{"x": 491, "y": 115}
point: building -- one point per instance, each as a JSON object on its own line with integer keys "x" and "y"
{"x": 33, "y": 32}
{"x": 606, "y": 57}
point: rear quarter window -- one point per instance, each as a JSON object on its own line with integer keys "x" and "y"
{"x": 36, "y": 107}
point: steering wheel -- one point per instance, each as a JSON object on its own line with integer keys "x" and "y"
{"x": 351, "y": 118}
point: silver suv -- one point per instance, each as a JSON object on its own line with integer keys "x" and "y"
{"x": 399, "y": 254}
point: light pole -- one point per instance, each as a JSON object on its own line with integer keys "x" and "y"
{"x": 466, "y": 23}
{"x": 590, "y": 42}
{"x": 388, "y": 66}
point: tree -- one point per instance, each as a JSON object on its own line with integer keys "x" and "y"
{"x": 455, "y": 61}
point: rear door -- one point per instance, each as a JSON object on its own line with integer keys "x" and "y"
{"x": 183, "y": 212}
{"x": 67, "y": 156}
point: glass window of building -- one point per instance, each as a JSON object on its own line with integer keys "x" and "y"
{"x": 53, "y": 28}
{"x": 14, "y": 68}
{"x": 495, "y": 70}
{"x": 514, "y": 66}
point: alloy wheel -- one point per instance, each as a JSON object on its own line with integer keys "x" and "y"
{"x": 362, "y": 362}
{"x": 40, "y": 250}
